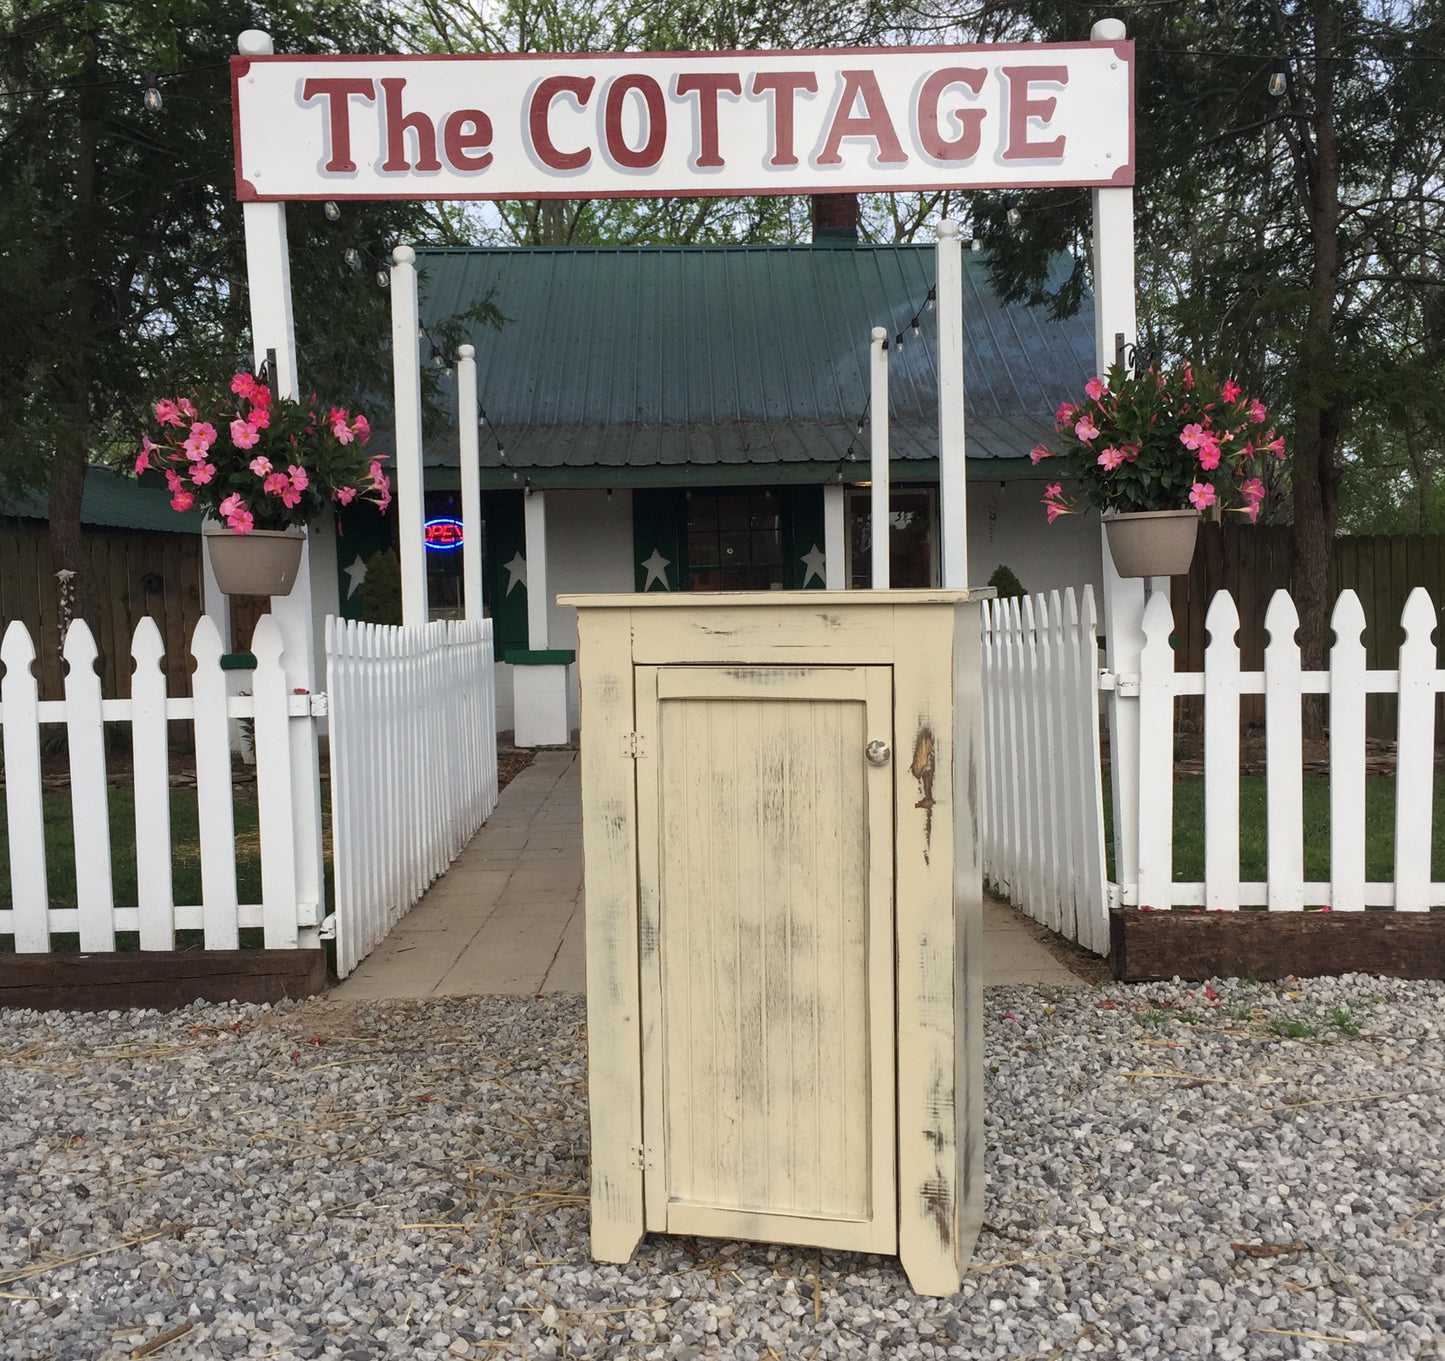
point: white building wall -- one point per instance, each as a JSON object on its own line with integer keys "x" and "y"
{"x": 1006, "y": 525}
{"x": 589, "y": 543}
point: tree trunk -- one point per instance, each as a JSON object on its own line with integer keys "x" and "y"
{"x": 1314, "y": 473}
{"x": 69, "y": 460}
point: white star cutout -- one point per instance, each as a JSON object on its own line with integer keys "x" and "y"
{"x": 357, "y": 573}
{"x": 814, "y": 560}
{"x": 516, "y": 571}
{"x": 656, "y": 568}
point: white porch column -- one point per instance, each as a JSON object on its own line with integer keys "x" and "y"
{"x": 952, "y": 488}
{"x": 534, "y": 518}
{"x": 469, "y": 451}
{"x": 406, "y": 385}
{"x": 878, "y": 455}
{"x": 273, "y": 335}
{"x": 835, "y": 537}
{"x": 1115, "y": 326}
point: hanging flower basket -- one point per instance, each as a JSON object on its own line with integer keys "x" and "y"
{"x": 1151, "y": 543}
{"x": 261, "y": 562}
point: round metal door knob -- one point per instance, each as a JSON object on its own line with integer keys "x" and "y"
{"x": 878, "y": 753}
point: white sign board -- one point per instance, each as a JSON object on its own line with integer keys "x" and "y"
{"x": 643, "y": 124}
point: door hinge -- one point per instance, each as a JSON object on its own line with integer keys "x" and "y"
{"x": 641, "y": 1157}
{"x": 634, "y": 744}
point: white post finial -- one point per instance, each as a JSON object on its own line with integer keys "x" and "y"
{"x": 952, "y": 469}
{"x": 410, "y": 487}
{"x": 255, "y": 42}
{"x": 878, "y": 455}
{"x": 468, "y": 447}
{"x": 1108, "y": 31}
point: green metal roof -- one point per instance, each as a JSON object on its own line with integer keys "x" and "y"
{"x": 626, "y": 364}
{"x": 112, "y": 500}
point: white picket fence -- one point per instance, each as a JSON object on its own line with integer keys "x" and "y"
{"x": 1283, "y": 683}
{"x": 30, "y": 919}
{"x": 413, "y": 764}
{"x": 1042, "y": 810}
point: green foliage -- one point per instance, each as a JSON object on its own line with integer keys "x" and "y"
{"x": 1292, "y": 1028}
{"x": 380, "y": 592}
{"x": 1008, "y": 586}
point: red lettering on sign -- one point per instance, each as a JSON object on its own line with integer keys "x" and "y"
{"x": 873, "y": 122}
{"x": 336, "y": 91}
{"x": 655, "y": 126}
{"x": 780, "y": 87}
{"x": 964, "y": 147}
{"x": 464, "y": 132}
{"x": 1021, "y": 108}
{"x": 397, "y": 126}
{"x": 707, "y": 86}
{"x": 580, "y": 88}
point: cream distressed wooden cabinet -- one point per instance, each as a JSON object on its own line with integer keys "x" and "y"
{"x": 779, "y": 796}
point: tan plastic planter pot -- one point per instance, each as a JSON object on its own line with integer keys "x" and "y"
{"x": 263, "y": 562}
{"x": 1151, "y": 543}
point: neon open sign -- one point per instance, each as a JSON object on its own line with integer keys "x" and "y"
{"x": 442, "y": 536}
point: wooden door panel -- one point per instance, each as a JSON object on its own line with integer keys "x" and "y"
{"x": 772, "y": 1064}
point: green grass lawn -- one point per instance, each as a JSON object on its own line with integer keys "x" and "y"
{"x": 185, "y": 860}
{"x": 1253, "y": 835}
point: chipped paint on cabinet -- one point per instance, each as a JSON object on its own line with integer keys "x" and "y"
{"x": 784, "y": 983}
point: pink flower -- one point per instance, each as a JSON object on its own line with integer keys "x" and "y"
{"x": 1257, "y": 412}
{"x": 1209, "y": 456}
{"x": 1053, "y": 510}
{"x": 173, "y": 479}
{"x": 260, "y": 465}
{"x": 1038, "y": 453}
{"x": 1253, "y": 493}
{"x": 377, "y": 476}
{"x": 232, "y": 505}
{"x": 1189, "y": 375}
{"x": 1064, "y": 415}
{"x": 299, "y": 480}
{"x": 201, "y": 473}
{"x": 185, "y": 407}
{"x": 1096, "y": 388}
{"x": 143, "y": 459}
{"x": 260, "y": 396}
{"x": 183, "y": 500}
{"x": 290, "y": 495}
{"x": 1195, "y": 436}
{"x": 342, "y": 432}
{"x": 243, "y": 385}
{"x": 276, "y": 484}
{"x": 1230, "y": 390}
{"x": 1276, "y": 446}
{"x": 244, "y": 435}
{"x": 1111, "y": 459}
{"x": 168, "y": 413}
{"x": 260, "y": 418}
{"x": 346, "y": 495}
{"x": 1086, "y": 430}
{"x": 242, "y": 522}
{"x": 361, "y": 428}
{"x": 1201, "y": 495}
{"x": 1054, "y": 489}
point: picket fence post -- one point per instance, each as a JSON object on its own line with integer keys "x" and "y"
{"x": 1284, "y": 756}
{"x": 1415, "y": 755}
{"x": 1156, "y": 756}
{"x": 150, "y": 760}
{"x": 24, "y": 804}
{"x": 1348, "y": 663}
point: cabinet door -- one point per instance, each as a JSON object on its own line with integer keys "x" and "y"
{"x": 766, "y": 897}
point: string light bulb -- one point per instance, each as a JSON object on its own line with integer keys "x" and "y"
{"x": 1013, "y": 215}
{"x": 897, "y": 343}
{"x": 976, "y": 244}
{"x": 383, "y": 277}
{"x": 917, "y": 331}
{"x": 151, "y": 95}
{"x": 932, "y": 294}
{"x": 352, "y": 255}
{"x": 332, "y": 209}
{"x": 1278, "y": 77}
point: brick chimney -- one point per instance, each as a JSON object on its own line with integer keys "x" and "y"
{"x": 835, "y": 220}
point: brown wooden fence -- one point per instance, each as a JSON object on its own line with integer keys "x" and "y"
{"x": 1253, "y": 561}
{"x": 137, "y": 573}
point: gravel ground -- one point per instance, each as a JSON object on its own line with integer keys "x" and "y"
{"x": 1246, "y": 1170}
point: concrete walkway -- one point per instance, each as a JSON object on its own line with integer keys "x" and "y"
{"x": 507, "y": 917}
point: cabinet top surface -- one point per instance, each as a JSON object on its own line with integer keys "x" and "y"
{"x": 832, "y": 600}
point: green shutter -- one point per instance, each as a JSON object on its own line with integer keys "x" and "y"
{"x": 657, "y": 521}
{"x": 506, "y": 541}
{"x": 803, "y": 536}
{"x": 361, "y": 533}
